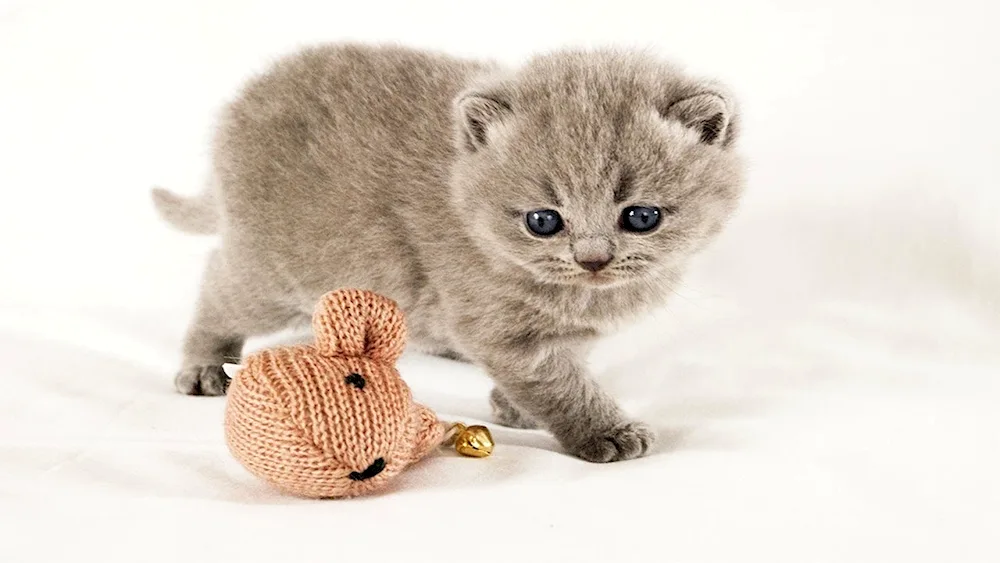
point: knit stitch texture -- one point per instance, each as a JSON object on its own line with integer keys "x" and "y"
{"x": 304, "y": 418}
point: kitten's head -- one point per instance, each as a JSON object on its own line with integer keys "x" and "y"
{"x": 595, "y": 168}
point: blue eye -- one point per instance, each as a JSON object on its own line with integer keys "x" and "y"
{"x": 639, "y": 219}
{"x": 544, "y": 222}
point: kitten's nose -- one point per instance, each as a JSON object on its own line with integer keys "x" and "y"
{"x": 593, "y": 262}
{"x": 374, "y": 469}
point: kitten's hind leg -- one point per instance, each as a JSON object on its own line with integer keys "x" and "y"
{"x": 206, "y": 347}
{"x": 227, "y": 313}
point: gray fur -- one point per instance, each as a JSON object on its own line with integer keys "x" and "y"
{"x": 409, "y": 173}
{"x": 196, "y": 215}
{"x": 505, "y": 413}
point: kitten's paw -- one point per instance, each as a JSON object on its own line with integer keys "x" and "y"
{"x": 625, "y": 441}
{"x": 506, "y": 414}
{"x": 202, "y": 380}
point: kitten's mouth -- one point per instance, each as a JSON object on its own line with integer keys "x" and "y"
{"x": 586, "y": 279}
{"x": 578, "y": 277}
{"x": 598, "y": 278}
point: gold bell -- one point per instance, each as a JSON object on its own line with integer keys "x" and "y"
{"x": 473, "y": 441}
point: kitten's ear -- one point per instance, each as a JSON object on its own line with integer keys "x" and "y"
{"x": 712, "y": 114}
{"x": 476, "y": 112}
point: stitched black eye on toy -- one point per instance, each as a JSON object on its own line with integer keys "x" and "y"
{"x": 355, "y": 379}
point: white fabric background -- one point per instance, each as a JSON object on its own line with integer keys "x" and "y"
{"x": 825, "y": 383}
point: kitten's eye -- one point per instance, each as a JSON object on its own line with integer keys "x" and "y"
{"x": 544, "y": 222}
{"x": 640, "y": 219}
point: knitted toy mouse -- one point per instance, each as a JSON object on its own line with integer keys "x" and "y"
{"x": 335, "y": 419}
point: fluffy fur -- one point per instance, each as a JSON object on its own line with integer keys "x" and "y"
{"x": 409, "y": 173}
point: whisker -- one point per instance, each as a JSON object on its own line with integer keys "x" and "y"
{"x": 550, "y": 260}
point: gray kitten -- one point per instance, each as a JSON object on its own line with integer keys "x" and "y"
{"x": 515, "y": 215}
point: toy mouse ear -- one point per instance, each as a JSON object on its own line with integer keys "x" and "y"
{"x": 355, "y": 322}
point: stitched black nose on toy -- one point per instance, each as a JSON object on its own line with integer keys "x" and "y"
{"x": 374, "y": 469}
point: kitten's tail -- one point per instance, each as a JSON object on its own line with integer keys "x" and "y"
{"x": 197, "y": 215}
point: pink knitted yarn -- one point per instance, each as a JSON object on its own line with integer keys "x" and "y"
{"x": 332, "y": 419}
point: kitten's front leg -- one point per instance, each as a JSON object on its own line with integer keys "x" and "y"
{"x": 505, "y": 413}
{"x": 552, "y": 387}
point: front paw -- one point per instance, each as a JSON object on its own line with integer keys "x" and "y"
{"x": 202, "y": 380}
{"x": 627, "y": 440}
